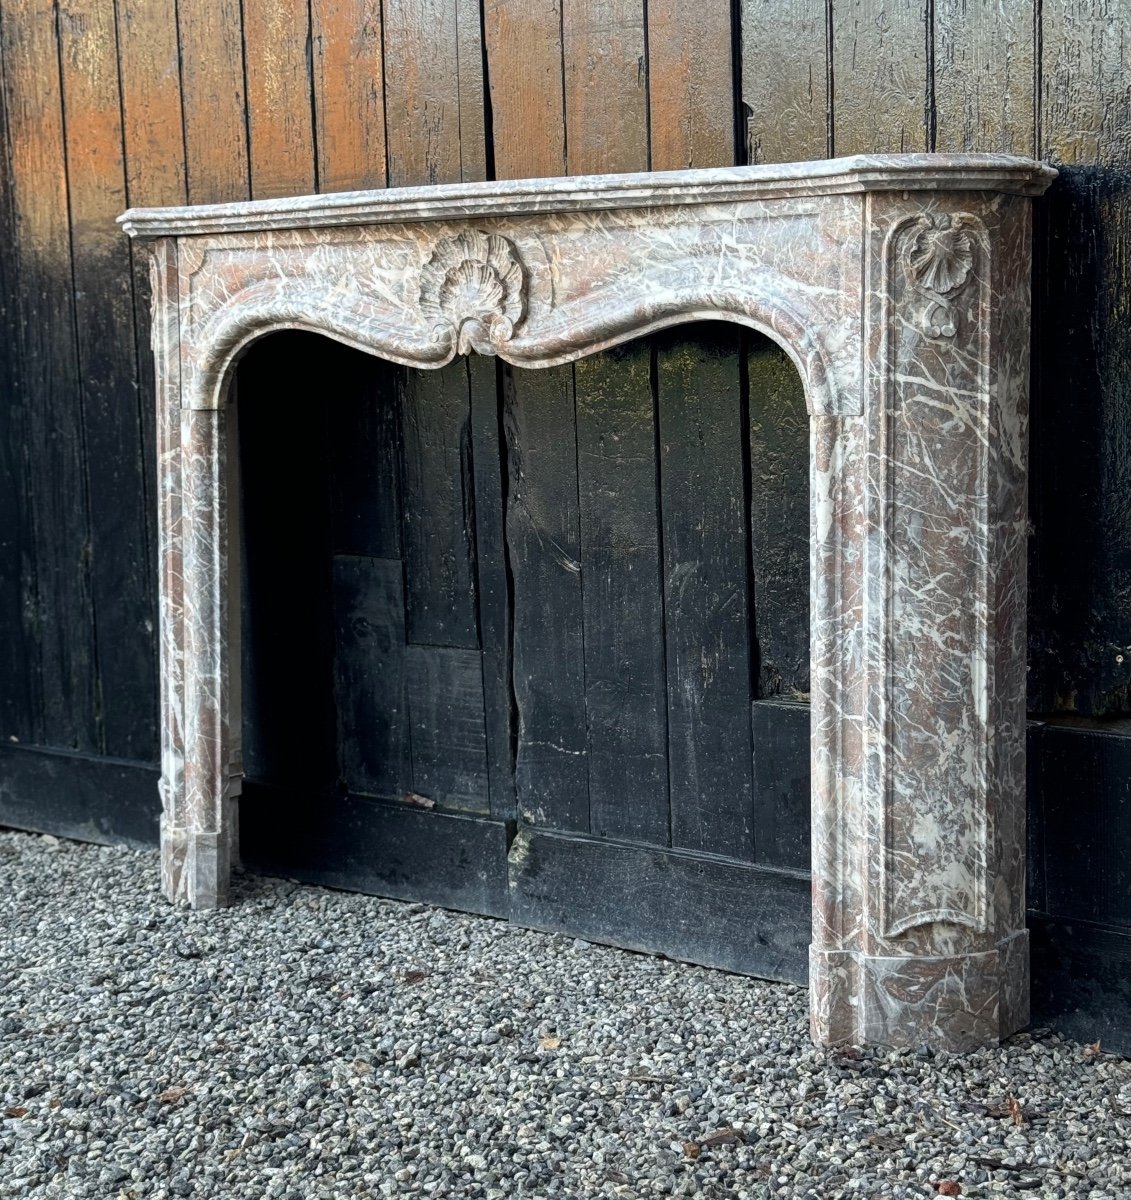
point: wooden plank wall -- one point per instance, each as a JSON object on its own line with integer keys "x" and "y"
{"x": 105, "y": 103}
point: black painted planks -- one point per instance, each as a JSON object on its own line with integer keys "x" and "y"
{"x": 438, "y": 514}
{"x": 365, "y": 452}
{"x": 448, "y": 738}
{"x": 706, "y": 598}
{"x": 621, "y": 593}
{"x": 779, "y": 520}
{"x": 369, "y": 676}
{"x": 543, "y": 539}
{"x": 495, "y": 618}
{"x": 721, "y": 914}
{"x": 361, "y": 844}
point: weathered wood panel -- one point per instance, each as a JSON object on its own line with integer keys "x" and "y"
{"x": 544, "y": 541}
{"x": 279, "y": 116}
{"x": 707, "y": 612}
{"x": 492, "y": 581}
{"x": 785, "y": 80}
{"x": 690, "y": 84}
{"x": 985, "y": 58}
{"x": 881, "y": 98}
{"x": 349, "y": 94}
{"x": 606, "y": 86}
{"x": 622, "y": 595}
{"x": 779, "y": 520}
{"x": 524, "y": 49}
{"x": 121, "y": 587}
{"x": 438, "y": 510}
{"x": 370, "y": 689}
{"x": 434, "y": 115}
{"x": 447, "y": 732}
{"x": 58, "y": 624}
{"x": 1080, "y": 584}
{"x": 214, "y": 101}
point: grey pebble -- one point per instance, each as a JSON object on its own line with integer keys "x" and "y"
{"x": 314, "y": 1045}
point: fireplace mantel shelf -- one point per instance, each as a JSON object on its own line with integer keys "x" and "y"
{"x": 899, "y": 286}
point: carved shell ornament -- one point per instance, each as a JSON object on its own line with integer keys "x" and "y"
{"x": 939, "y": 259}
{"x": 473, "y": 285}
{"x": 941, "y": 256}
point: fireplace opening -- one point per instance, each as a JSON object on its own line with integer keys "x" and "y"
{"x": 486, "y": 601}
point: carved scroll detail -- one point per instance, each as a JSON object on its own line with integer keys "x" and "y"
{"x": 474, "y": 287}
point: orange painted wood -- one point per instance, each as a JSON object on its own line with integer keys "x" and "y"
{"x": 152, "y": 124}
{"x": 212, "y": 81}
{"x": 606, "y": 86}
{"x": 524, "y": 60}
{"x": 691, "y": 84}
{"x": 433, "y": 92}
{"x": 280, "y": 117}
{"x": 349, "y": 94}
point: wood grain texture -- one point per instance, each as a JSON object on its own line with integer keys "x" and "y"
{"x": 125, "y": 604}
{"x": 779, "y": 520}
{"x": 370, "y": 688}
{"x": 349, "y": 94}
{"x": 690, "y": 84}
{"x": 17, "y": 577}
{"x": 524, "y": 55}
{"x": 433, "y": 92}
{"x": 1080, "y": 565}
{"x": 154, "y": 137}
{"x": 985, "y": 65}
{"x": 492, "y": 580}
{"x": 544, "y": 546}
{"x": 785, "y": 91}
{"x": 606, "y": 86}
{"x": 215, "y": 103}
{"x": 448, "y": 736}
{"x": 622, "y": 596}
{"x": 879, "y": 57}
{"x": 1085, "y": 82}
{"x": 438, "y": 507}
{"x": 59, "y": 622}
{"x": 280, "y": 123}
{"x": 707, "y": 611}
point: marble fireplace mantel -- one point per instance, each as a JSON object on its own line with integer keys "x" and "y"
{"x": 899, "y": 286}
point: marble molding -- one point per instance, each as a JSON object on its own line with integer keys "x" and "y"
{"x": 899, "y": 286}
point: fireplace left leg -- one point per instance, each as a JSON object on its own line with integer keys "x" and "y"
{"x": 197, "y": 852}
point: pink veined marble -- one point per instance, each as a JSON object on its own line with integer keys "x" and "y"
{"x": 899, "y": 286}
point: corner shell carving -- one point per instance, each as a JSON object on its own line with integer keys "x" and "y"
{"x": 939, "y": 259}
{"x": 473, "y": 287}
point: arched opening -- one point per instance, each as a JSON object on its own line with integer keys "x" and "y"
{"x": 535, "y": 642}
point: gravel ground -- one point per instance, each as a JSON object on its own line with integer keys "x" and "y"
{"x": 311, "y": 1045}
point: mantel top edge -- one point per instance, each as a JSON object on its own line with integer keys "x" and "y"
{"x": 837, "y": 176}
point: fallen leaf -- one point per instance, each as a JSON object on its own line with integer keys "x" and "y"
{"x": 549, "y": 1042}
{"x": 947, "y": 1187}
{"x": 172, "y": 1095}
{"x": 15, "y": 1112}
{"x": 414, "y": 976}
{"x": 692, "y": 1149}
{"x": 1092, "y": 1051}
{"x": 418, "y": 801}
{"x": 723, "y": 1137}
{"x": 1015, "y": 1111}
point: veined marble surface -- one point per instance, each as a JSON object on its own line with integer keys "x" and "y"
{"x": 899, "y": 285}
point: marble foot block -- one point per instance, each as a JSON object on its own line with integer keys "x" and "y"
{"x": 899, "y": 286}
